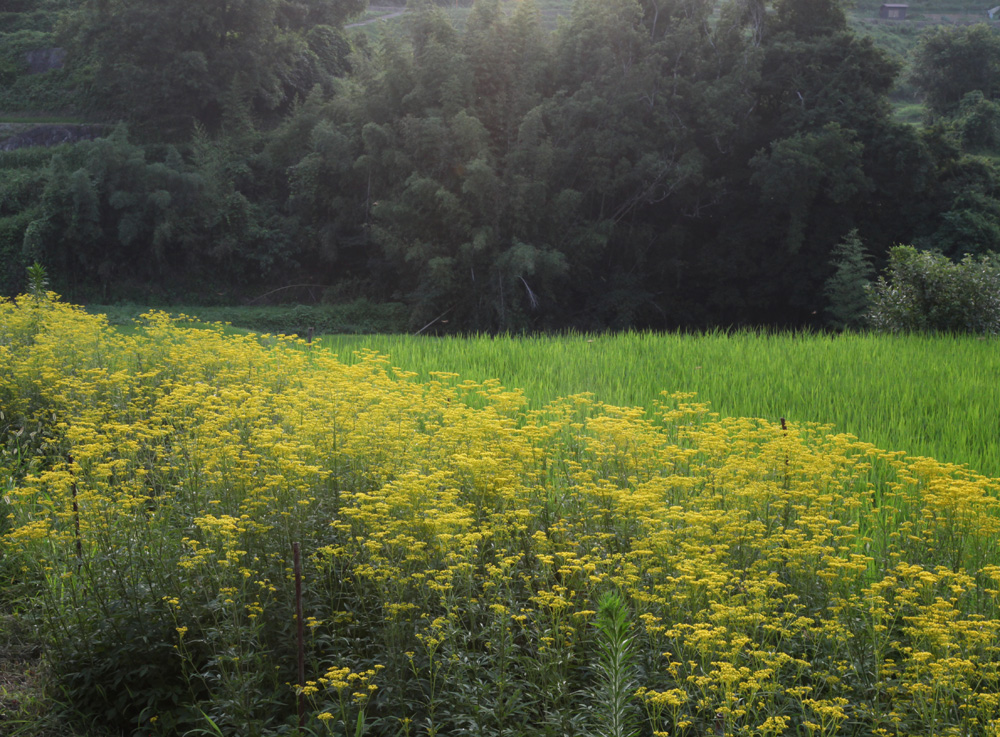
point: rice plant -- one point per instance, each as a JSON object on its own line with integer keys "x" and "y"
{"x": 936, "y": 396}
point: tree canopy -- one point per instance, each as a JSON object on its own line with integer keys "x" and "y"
{"x": 648, "y": 163}
{"x": 172, "y": 63}
{"x": 951, "y": 62}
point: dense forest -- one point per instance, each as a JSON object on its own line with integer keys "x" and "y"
{"x": 648, "y": 163}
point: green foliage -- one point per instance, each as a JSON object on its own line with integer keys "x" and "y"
{"x": 303, "y": 14}
{"x": 807, "y": 168}
{"x": 22, "y": 180}
{"x": 615, "y": 669}
{"x": 31, "y": 29}
{"x": 167, "y": 66}
{"x": 14, "y": 22}
{"x": 56, "y": 90}
{"x": 924, "y": 291}
{"x": 811, "y": 79}
{"x": 38, "y": 281}
{"x": 978, "y": 120}
{"x": 358, "y": 317}
{"x": 804, "y": 18}
{"x": 23, "y": 159}
{"x": 650, "y": 163}
{"x": 12, "y": 259}
{"x": 847, "y": 289}
{"x": 466, "y": 230}
{"x": 108, "y": 216}
{"x": 27, "y": 704}
{"x": 796, "y": 375}
{"x": 128, "y": 668}
{"x": 457, "y": 544}
{"x": 972, "y": 225}
{"x": 951, "y": 62}
{"x": 331, "y": 48}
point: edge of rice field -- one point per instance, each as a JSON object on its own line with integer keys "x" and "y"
{"x": 927, "y": 395}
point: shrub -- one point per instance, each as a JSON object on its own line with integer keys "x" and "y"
{"x": 925, "y": 291}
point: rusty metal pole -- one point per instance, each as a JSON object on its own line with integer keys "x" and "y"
{"x": 300, "y": 632}
{"x": 76, "y": 517}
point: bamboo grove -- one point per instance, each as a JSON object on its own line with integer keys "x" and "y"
{"x": 645, "y": 163}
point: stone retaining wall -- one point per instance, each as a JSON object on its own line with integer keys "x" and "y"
{"x": 24, "y": 135}
{"x": 44, "y": 60}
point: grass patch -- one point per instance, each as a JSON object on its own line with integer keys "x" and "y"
{"x": 360, "y": 316}
{"x": 911, "y": 113}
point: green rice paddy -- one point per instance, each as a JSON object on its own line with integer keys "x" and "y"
{"x": 936, "y": 396}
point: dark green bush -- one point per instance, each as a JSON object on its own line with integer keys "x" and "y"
{"x": 359, "y": 316}
{"x": 925, "y": 291}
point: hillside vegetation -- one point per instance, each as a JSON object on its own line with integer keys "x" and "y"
{"x": 640, "y": 163}
{"x": 208, "y": 531}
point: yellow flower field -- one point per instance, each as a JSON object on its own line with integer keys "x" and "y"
{"x": 457, "y": 545}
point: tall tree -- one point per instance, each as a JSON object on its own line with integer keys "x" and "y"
{"x": 948, "y": 63}
{"x": 167, "y": 64}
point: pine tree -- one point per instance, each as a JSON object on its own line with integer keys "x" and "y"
{"x": 847, "y": 290}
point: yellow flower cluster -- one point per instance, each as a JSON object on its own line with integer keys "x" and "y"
{"x": 781, "y": 576}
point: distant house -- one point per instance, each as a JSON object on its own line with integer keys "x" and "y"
{"x": 893, "y": 11}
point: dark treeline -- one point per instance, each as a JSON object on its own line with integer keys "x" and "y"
{"x": 652, "y": 163}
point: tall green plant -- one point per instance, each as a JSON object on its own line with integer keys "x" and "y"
{"x": 38, "y": 281}
{"x": 615, "y": 668}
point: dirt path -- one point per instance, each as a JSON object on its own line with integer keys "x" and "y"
{"x": 389, "y": 12}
